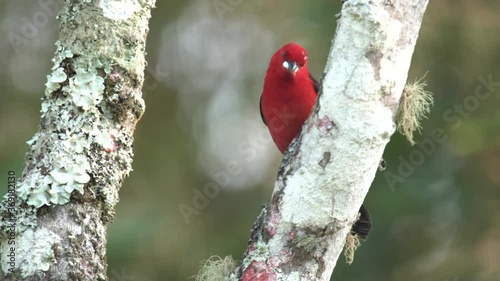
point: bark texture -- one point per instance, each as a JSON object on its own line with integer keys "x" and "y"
{"x": 328, "y": 169}
{"x": 57, "y": 214}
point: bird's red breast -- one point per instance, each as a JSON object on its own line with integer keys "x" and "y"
{"x": 289, "y": 94}
{"x": 287, "y": 100}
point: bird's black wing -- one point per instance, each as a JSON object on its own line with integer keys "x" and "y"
{"x": 363, "y": 225}
{"x": 316, "y": 86}
{"x": 262, "y": 114}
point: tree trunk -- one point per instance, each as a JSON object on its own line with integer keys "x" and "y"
{"x": 53, "y": 223}
{"x": 328, "y": 169}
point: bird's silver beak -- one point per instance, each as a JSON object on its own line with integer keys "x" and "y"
{"x": 291, "y": 66}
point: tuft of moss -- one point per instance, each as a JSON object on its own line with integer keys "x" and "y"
{"x": 351, "y": 244}
{"x": 216, "y": 268}
{"x": 414, "y": 106}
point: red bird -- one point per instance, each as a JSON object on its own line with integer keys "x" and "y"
{"x": 287, "y": 99}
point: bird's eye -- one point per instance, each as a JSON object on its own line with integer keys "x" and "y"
{"x": 284, "y": 55}
{"x": 301, "y": 64}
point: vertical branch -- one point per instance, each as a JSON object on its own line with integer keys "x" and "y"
{"x": 56, "y": 216}
{"x": 327, "y": 171}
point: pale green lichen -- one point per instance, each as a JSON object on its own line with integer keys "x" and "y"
{"x": 33, "y": 251}
{"x": 83, "y": 150}
{"x": 67, "y": 177}
{"x": 67, "y": 165}
{"x": 109, "y": 49}
{"x": 67, "y": 174}
{"x": 86, "y": 89}
{"x": 58, "y": 75}
{"x": 307, "y": 242}
{"x": 260, "y": 252}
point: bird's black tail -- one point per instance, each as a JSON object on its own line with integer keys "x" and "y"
{"x": 363, "y": 225}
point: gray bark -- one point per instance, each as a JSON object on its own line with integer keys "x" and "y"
{"x": 58, "y": 213}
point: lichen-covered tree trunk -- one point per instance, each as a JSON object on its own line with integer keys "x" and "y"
{"x": 327, "y": 171}
{"x": 53, "y": 220}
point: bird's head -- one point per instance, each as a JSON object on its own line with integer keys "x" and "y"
{"x": 290, "y": 60}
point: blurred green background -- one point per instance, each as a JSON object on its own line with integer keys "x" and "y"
{"x": 207, "y": 59}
